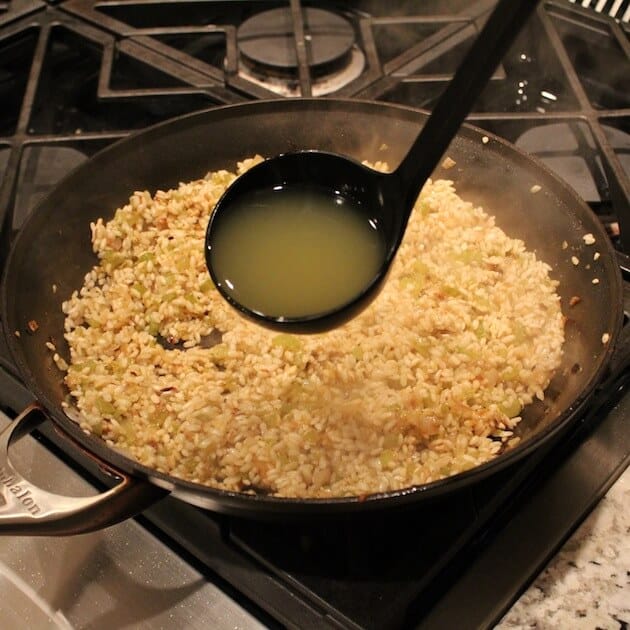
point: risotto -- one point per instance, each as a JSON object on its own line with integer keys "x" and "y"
{"x": 427, "y": 382}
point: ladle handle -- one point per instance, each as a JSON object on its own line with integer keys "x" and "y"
{"x": 456, "y": 101}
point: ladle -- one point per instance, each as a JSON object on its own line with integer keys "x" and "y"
{"x": 386, "y": 199}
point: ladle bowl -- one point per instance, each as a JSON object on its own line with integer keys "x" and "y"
{"x": 375, "y": 195}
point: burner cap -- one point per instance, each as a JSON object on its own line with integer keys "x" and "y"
{"x": 267, "y": 39}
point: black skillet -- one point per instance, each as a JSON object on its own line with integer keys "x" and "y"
{"x": 54, "y": 247}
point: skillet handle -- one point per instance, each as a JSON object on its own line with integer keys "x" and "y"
{"x": 29, "y": 510}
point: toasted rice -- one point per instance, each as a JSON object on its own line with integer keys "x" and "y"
{"x": 429, "y": 381}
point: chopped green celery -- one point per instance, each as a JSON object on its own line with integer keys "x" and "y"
{"x": 510, "y": 374}
{"x": 420, "y": 268}
{"x": 106, "y": 408}
{"x": 146, "y": 257}
{"x": 386, "y": 457}
{"x": 158, "y": 416}
{"x": 451, "y": 291}
{"x": 287, "y": 342}
{"x": 469, "y": 352}
{"x": 219, "y": 352}
{"x": 422, "y": 347}
{"x": 415, "y": 282}
{"x": 113, "y": 259}
{"x": 482, "y": 304}
{"x": 153, "y": 328}
{"x": 511, "y": 408}
{"x": 139, "y": 287}
{"x": 128, "y": 430}
{"x": 90, "y": 364}
{"x": 129, "y": 217}
{"x": 206, "y": 286}
{"x": 417, "y": 277}
{"x": 469, "y": 256}
{"x": 424, "y": 208}
{"x": 357, "y": 353}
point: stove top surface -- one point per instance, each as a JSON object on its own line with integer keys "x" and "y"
{"x": 77, "y": 75}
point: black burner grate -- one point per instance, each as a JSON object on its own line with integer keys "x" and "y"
{"x": 99, "y": 70}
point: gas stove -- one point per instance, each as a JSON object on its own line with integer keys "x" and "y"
{"x": 77, "y": 75}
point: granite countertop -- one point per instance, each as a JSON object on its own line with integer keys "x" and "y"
{"x": 586, "y": 586}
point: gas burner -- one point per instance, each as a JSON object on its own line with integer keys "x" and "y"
{"x": 269, "y": 56}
